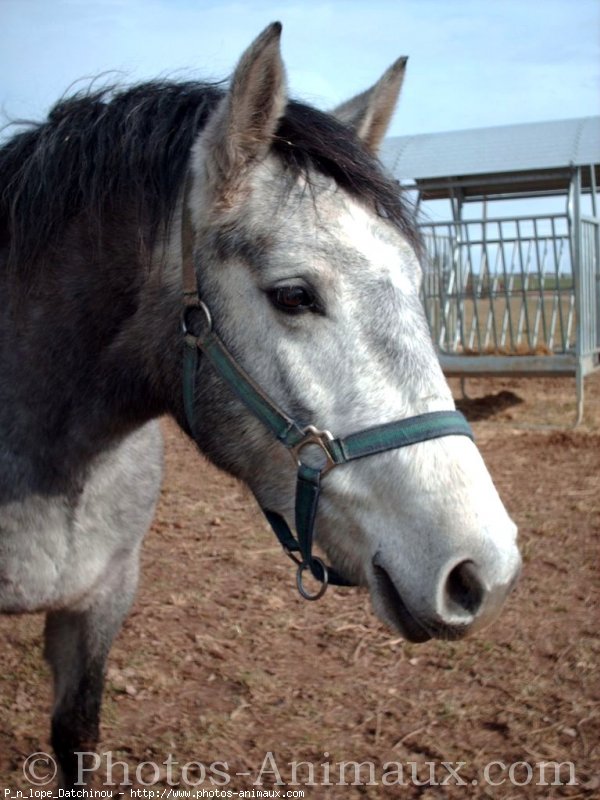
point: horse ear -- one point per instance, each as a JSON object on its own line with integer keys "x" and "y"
{"x": 242, "y": 127}
{"x": 369, "y": 113}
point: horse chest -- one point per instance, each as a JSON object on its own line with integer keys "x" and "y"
{"x": 46, "y": 556}
{"x": 56, "y": 552}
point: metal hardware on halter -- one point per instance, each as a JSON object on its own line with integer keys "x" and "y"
{"x": 324, "y": 580}
{"x": 301, "y": 567}
{"x": 320, "y": 438}
{"x": 192, "y": 302}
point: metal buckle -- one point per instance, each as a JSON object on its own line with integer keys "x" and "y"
{"x": 193, "y": 303}
{"x": 313, "y": 435}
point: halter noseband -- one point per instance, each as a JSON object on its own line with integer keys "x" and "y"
{"x": 200, "y": 338}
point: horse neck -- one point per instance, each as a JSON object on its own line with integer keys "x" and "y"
{"x": 91, "y": 353}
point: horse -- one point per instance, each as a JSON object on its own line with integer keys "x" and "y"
{"x": 240, "y": 261}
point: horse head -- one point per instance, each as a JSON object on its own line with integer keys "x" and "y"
{"x": 310, "y": 265}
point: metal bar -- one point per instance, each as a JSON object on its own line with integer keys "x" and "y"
{"x": 475, "y": 292}
{"x": 541, "y": 280}
{"x": 561, "y": 364}
{"x": 550, "y": 215}
{"x": 579, "y": 383}
{"x": 508, "y": 282}
{"x": 593, "y": 190}
{"x": 559, "y": 291}
{"x": 575, "y": 218}
{"x": 456, "y": 204}
{"x": 596, "y": 255}
{"x": 589, "y": 276}
{"x": 418, "y": 203}
{"x": 498, "y": 180}
{"x": 494, "y": 292}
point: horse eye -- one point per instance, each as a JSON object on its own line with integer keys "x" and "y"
{"x": 292, "y": 298}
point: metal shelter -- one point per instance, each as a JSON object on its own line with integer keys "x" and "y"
{"x": 516, "y": 294}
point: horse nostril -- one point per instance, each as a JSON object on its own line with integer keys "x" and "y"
{"x": 464, "y": 589}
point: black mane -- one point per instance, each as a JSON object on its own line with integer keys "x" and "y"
{"x": 103, "y": 152}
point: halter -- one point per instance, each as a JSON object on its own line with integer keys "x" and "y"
{"x": 200, "y": 338}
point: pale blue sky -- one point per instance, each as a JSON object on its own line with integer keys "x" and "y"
{"x": 472, "y": 62}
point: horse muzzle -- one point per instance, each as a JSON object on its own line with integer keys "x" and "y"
{"x": 464, "y": 598}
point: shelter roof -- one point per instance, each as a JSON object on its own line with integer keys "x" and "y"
{"x": 531, "y": 158}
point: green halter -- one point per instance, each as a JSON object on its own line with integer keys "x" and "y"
{"x": 335, "y": 451}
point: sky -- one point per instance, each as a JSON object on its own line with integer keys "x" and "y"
{"x": 473, "y": 63}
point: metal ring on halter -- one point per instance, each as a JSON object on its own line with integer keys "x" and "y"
{"x": 324, "y": 583}
{"x": 191, "y": 304}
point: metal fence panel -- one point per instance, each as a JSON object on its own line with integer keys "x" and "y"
{"x": 507, "y": 286}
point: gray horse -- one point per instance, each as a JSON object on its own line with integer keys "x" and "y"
{"x": 306, "y": 265}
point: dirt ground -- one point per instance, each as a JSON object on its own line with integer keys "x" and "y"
{"x": 221, "y": 661}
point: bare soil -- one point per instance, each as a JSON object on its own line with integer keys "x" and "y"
{"x": 221, "y": 661}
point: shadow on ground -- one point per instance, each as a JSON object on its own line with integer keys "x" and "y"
{"x": 478, "y": 408}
